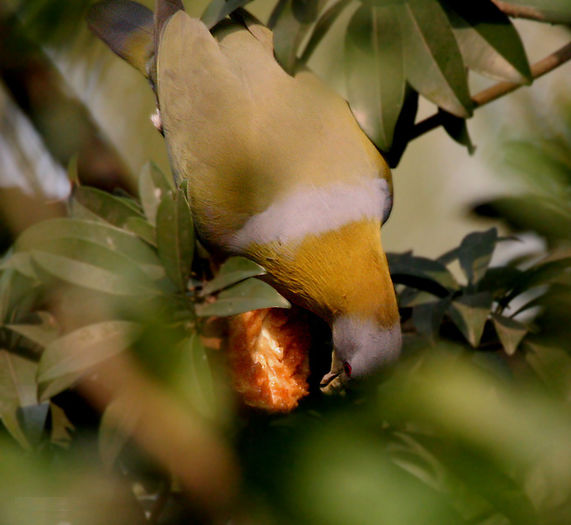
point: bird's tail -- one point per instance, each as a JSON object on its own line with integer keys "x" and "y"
{"x": 131, "y": 30}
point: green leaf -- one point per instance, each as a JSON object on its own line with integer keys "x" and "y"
{"x": 554, "y": 11}
{"x": 17, "y": 295}
{"x": 433, "y": 63}
{"x": 374, "y": 71}
{"x": 246, "y": 296}
{"x": 457, "y": 130}
{"x": 422, "y": 273}
{"x": 90, "y": 276}
{"x": 115, "y": 239}
{"x": 218, "y": 10}
{"x": 68, "y": 357}
{"x": 142, "y": 229}
{"x": 17, "y": 389}
{"x": 488, "y": 41}
{"x": 427, "y": 317}
{"x": 475, "y": 253}
{"x": 21, "y": 263}
{"x": 322, "y": 27}
{"x": 552, "y": 364}
{"x": 194, "y": 379}
{"x": 41, "y": 334}
{"x": 510, "y": 332}
{"x": 114, "y": 210}
{"x": 175, "y": 238}
{"x": 469, "y": 313}
{"x": 289, "y": 29}
{"x": 234, "y": 270}
{"x": 153, "y": 185}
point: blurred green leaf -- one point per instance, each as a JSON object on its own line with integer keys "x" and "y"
{"x": 194, "y": 379}
{"x": 234, "y": 270}
{"x": 114, "y": 210}
{"x": 552, "y": 364}
{"x": 422, "y": 273}
{"x": 73, "y": 354}
{"x": 374, "y": 71}
{"x": 41, "y": 334}
{"x": 510, "y": 332}
{"x": 218, "y": 10}
{"x": 175, "y": 237}
{"x": 17, "y": 294}
{"x": 248, "y": 295}
{"x": 475, "y": 253}
{"x": 17, "y": 389}
{"x": 142, "y": 229}
{"x": 153, "y": 185}
{"x": 488, "y": 41}
{"x": 427, "y": 317}
{"x": 469, "y": 313}
{"x": 112, "y": 238}
{"x": 433, "y": 63}
{"x": 499, "y": 280}
{"x": 540, "y": 274}
{"x": 92, "y": 277}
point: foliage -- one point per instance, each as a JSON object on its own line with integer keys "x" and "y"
{"x": 113, "y": 304}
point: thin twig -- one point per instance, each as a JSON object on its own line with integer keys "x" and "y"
{"x": 498, "y": 90}
{"x": 520, "y": 11}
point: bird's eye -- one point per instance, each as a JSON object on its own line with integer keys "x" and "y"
{"x": 347, "y": 368}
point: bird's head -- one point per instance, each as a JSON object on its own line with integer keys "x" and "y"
{"x": 361, "y": 347}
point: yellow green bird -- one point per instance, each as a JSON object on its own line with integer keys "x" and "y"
{"x": 279, "y": 170}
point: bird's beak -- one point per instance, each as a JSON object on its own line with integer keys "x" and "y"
{"x": 335, "y": 381}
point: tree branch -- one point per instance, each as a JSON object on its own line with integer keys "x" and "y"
{"x": 520, "y": 11}
{"x": 498, "y": 90}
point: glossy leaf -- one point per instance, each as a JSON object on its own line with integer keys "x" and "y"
{"x": 475, "y": 253}
{"x": 510, "y": 332}
{"x": 433, "y": 63}
{"x": 375, "y": 72}
{"x": 74, "y": 353}
{"x": 469, "y": 313}
{"x": 89, "y": 276}
{"x": 218, "y": 10}
{"x": 554, "y": 11}
{"x": 234, "y": 270}
{"x": 175, "y": 238}
{"x": 111, "y": 209}
{"x": 421, "y": 273}
{"x": 488, "y": 41}
{"x": 153, "y": 185}
{"x": 112, "y": 238}
{"x": 248, "y": 295}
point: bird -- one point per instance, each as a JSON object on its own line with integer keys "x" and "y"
{"x": 278, "y": 169}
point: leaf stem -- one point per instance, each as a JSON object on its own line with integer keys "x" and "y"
{"x": 498, "y": 90}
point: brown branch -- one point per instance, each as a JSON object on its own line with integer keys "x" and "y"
{"x": 498, "y": 90}
{"x": 520, "y": 11}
